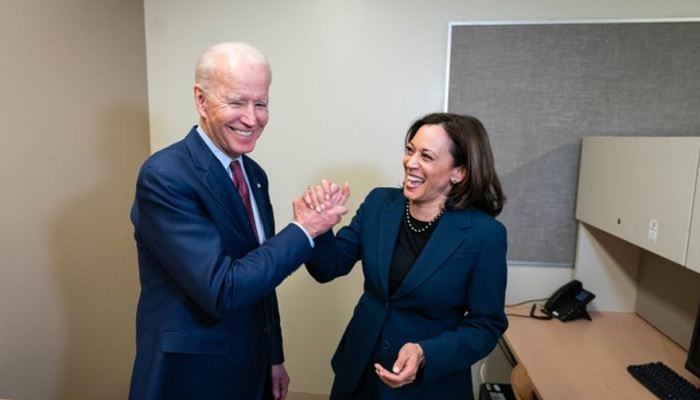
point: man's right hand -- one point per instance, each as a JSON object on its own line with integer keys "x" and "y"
{"x": 321, "y": 207}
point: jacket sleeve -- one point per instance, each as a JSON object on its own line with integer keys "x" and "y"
{"x": 482, "y": 326}
{"x": 335, "y": 255}
{"x": 172, "y": 222}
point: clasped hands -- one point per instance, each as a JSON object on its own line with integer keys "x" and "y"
{"x": 321, "y": 207}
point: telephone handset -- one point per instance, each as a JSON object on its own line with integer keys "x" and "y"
{"x": 568, "y": 302}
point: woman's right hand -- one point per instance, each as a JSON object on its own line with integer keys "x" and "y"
{"x": 317, "y": 215}
{"x": 326, "y": 195}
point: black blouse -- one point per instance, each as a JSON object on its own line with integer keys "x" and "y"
{"x": 409, "y": 244}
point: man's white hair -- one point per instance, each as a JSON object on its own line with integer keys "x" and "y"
{"x": 231, "y": 53}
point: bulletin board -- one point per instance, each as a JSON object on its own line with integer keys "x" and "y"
{"x": 539, "y": 87}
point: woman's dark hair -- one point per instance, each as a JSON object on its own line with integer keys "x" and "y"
{"x": 471, "y": 149}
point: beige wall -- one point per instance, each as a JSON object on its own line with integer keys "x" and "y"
{"x": 75, "y": 129}
{"x": 349, "y": 77}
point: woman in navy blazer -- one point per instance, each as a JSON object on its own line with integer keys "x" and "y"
{"x": 434, "y": 263}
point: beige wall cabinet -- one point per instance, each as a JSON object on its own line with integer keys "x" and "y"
{"x": 642, "y": 190}
{"x": 693, "y": 258}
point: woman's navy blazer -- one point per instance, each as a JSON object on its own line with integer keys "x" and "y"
{"x": 451, "y": 302}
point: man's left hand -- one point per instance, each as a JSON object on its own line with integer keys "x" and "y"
{"x": 280, "y": 382}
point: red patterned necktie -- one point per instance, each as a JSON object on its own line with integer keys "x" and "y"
{"x": 242, "y": 188}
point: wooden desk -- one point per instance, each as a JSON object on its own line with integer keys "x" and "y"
{"x": 583, "y": 359}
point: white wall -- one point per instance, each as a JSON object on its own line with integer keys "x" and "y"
{"x": 349, "y": 77}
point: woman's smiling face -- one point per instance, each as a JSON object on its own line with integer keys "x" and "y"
{"x": 429, "y": 166}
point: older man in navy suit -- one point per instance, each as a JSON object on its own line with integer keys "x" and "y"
{"x": 208, "y": 324}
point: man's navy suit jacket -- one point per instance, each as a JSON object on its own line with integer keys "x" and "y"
{"x": 207, "y": 320}
{"x": 451, "y": 302}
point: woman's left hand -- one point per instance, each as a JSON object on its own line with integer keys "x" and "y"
{"x": 405, "y": 367}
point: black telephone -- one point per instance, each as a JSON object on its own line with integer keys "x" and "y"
{"x": 568, "y": 303}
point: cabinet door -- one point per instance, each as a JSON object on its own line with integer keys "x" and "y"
{"x": 693, "y": 260}
{"x": 640, "y": 189}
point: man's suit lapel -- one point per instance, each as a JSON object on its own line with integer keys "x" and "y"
{"x": 449, "y": 234}
{"x": 216, "y": 180}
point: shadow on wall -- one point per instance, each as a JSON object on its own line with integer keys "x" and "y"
{"x": 97, "y": 266}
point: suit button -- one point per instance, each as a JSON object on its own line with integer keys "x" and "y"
{"x": 385, "y": 344}
{"x": 266, "y": 330}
